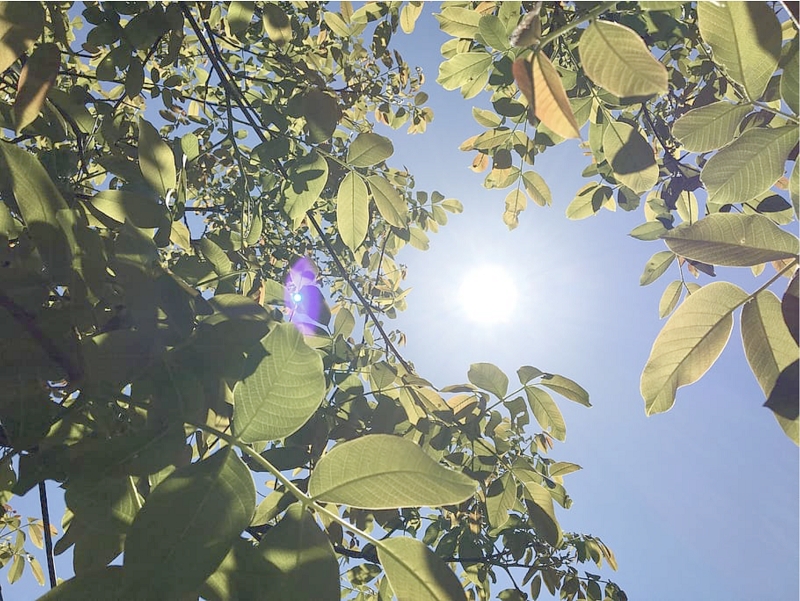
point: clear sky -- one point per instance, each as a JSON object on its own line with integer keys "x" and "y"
{"x": 700, "y": 503}
{"x": 697, "y": 503}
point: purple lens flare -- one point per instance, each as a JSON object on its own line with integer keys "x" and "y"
{"x": 303, "y": 298}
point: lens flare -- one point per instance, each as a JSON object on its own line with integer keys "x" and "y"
{"x": 304, "y": 300}
{"x": 488, "y": 294}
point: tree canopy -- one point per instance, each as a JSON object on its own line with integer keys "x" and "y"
{"x": 199, "y": 229}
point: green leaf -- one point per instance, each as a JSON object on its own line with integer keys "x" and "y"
{"x": 35, "y": 81}
{"x": 493, "y": 32}
{"x": 783, "y": 401}
{"x": 790, "y": 83}
{"x": 526, "y": 373}
{"x": 749, "y": 165}
{"x": 768, "y": 345}
{"x": 304, "y": 558}
{"x": 562, "y": 468}
{"x": 107, "y": 583}
{"x": 307, "y": 178}
{"x": 500, "y": 499}
{"x": 732, "y": 239}
{"x": 215, "y": 255}
{"x": 418, "y": 238}
{"x": 537, "y": 188}
{"x": 631, "y": 156}
{"x": 488, "y": 377}
{"x": 187, "y": 527}
{"x": 586, "y": 202}
{"x": 689, "y": 343}
{"x": 156, "y": 160}
{"x": 566, "y": 388}
{"x": 322, "y": 114}
{"x": 652, "y": 230}
{"x": 686, "y": 206}
{"x": 464, "y": 68}
{"x": 416, "y": 572}
{"x": 486, "y": 118}
{"x": 656, "y": 266}
{"x": 790, "y": 303}
{"x": 369, "y": 149}
{"x": 546, "y": 412}
{"x": 352, "y": 210}
{"x": 617, "y": 59}
{"x": 550, "y": 99}
{"x": 409, "y": 15}
{"x": 670, "y": 298}
{"x": 243, "y": 574}
{"x": 284, "y": 386}
{"x": 541, "y": 510}
{"x": 134, "y": 78}
{"x": 745, "y": 38}
{"x": 190, "y": 145}
{"x": 459, "y": 22}
{"x": 39, "y": 202}
{"x": 710, "y": 127}
{"x": 20, "y": 26}
{"x": 379, "y": 471}
{"x": 276, "y": 23}
{"x": 239, "y": 15}
{"x": 390, "y": 205}
{"x": 515, "y": 204}
{"x": 142, "y": 210}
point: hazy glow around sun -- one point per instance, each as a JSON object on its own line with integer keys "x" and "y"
{"x": 488, "y": 294}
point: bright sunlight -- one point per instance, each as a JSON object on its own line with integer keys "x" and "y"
{"x": 488, "y": 294}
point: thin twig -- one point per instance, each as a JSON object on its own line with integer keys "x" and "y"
{"x": 48, "y": 536}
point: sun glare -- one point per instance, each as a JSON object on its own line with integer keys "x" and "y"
{"x": 488, "y": 294}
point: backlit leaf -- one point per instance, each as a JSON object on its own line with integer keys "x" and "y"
{"x": 380, "y": 471}
{"x": 670, "y": 298}
{"x": 352, "y": 210}
{"x": 285, "y": 385}
{"x": 369, "y": 149}
{"x": 617, "y": 59}
{"x": 141, "y": 209}
{"x": 463, "y": 69}
{"x": 276, "y": 23}
{"x": 307, "y": 178}
{"x": 656, "y": 266}
{"x": 749, "y": 165}
{"x": 488, "y": 377}
{"x": 409, "y": 15}
{"x": 35, "y": 80}
{"x": 790, "y": 83}
{"x": 550, "y": 100}
{"x": 21, "y": 25}
{"x": 416, "y": 572}
{"x": 631, "y": 156}
{"x": 156, "y": 160}
{"x": 541, "y": 510}
{"x": 304, "y": 558}
{"x": 689, "y": 343}
{"x": 459, "y": 22}
{"x": 501, "y": 497}
{"x": 732, "y": 239}
{"x": 768, "y": 345}
{"x": 710, "y": 127}
{"x": 493, "y": 32}
{"x": 390, "y": 204}
{"x": 171, "y": 535}
{"x": 745, "y": 38}
{"x": 585, "y": 204}
{"x": 546, "y": 412}
{"x": 515, "y": 204}
{"x": 537, "y": 188}
{"x": 566, "y": 388}
{"x": 239, "y": 15}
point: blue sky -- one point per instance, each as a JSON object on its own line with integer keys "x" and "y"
{"x": 697, "y": 503}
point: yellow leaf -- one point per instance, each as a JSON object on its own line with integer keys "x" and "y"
{"x": 35, "y": 80}
{"x": 550, "y": 100}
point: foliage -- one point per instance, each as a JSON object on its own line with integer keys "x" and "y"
{"x": 181, "y": 183}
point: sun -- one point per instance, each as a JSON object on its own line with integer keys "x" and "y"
{"x": 488, "y": 294}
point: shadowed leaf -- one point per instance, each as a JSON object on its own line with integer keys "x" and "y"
{"x": 415, "y": 572}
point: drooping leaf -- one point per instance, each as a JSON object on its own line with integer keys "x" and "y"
{"x": 156, "y": 160}
{"x": 566, "y": 388}
{"x": 352, "y": 210}
{"x": 541, "y": 508}
{"x": 768, "y": 345}
{"x": 656, "y": 266}
{"x": 390, "y": 205}
{"x": 710, "y": 127}
{"x": 617, "y": 59}
{"x": 187, "y": 526}
{"x": 134, "y": 78}
{"x": 379, "y": 471}
{"x": 307, "y": 178}
{"x": 537, "y": 188}
{"x": 283, "y": 387}
{"x": 39, "y": 202}
{"x": 304, "y": 558}
{"x": 689, "y": 343}
{"x": 488, "y": 377}
{"x": 550, "y": 99}
{"x": 416, "y": 572}
{"x": 501, "y": 497}
{"x": 748, "y": 166}
{"x": 732, "y": 239}
{"x": 20, "y": 26}
{"x": 670, "y": 298}
{"x": 409, "y": 15}
{"x": 515, "y": 204}
{"x": 35, "y": 80}
{"x": 546, "y": 412}
{"x": 745, "y": 38}
{"x": 369, "y": 149}
{"x": 631, "y": 156}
